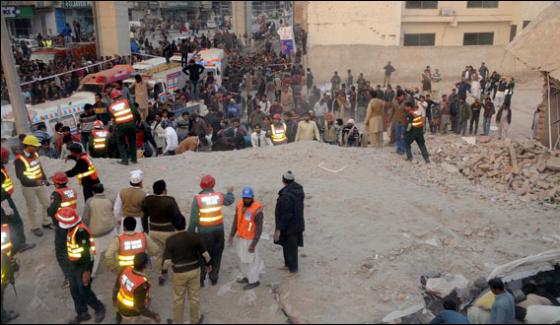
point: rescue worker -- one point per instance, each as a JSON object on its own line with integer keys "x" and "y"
{"x": 248, "y": 226}
{"x": 63, "y": 196}
{"x": 30, "y": 173}
{"x": 414, "y": 132}
{"x": 9, "y": 267}
{"x": 207, "y": 218}
{"x": 130, "y": 200}
{"x": 10, "y": 214}
{"x": 120, "y": 253}
{"x": 83, "y": 170}
{"x": 98, "y": 144}
{"x": 81, "y": 252}
{"x": 126, "y": 117}
{"x": 185, "y": 249}
{"x": 131, "y": 293}
{"x": 278, "y": 130}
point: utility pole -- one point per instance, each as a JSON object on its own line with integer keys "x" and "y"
{"x": 19, "y": 109}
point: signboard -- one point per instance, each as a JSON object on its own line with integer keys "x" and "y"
{"x": 173, "y": 81}
{"x": 17, "y": 12}
{"x": 286, "y": 33}
{"x": 76, "y": 4}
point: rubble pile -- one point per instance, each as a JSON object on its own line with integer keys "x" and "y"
{"x": 525, "y": 167}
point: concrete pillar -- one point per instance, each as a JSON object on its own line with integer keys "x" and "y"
{"x": 112, "y": 28}
{"x": 19, "y": 109}
{"x": 239, "y": 17}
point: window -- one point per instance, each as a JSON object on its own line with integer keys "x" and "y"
{"x": 478, "y": 39}
{"x": 512, "y": 32}
{"x": 525, "y": 23}
{"x": 421, "y": 4}
{"x": 419, "y": 39}
{"x": 482, "y": 4}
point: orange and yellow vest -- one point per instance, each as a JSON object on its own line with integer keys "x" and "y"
{"x": 74, "y": 249}
{"x": 68, "y": 196}
{"x": 121, "y": 112}
{"x": 246, "y": 219}
{"x": 130, "y": 245}
{"x": 278, "y": 135}
{"x": 6, "y": 250}
{"x": 100, "y": 139}
{"x": 91, "y": 169}
{"x": 7, "y": 184}
{"x": 129, "y": 282}
{"x": 32, "y": 166}
{"x": 210, "y": 207}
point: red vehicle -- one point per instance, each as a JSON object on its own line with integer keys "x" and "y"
{"x": 78, "y": 50}
{"x": 97, "y": 82}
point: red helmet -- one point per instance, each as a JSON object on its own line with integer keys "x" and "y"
{"x": 67, "y": 218}
{"x": 60, "y": 178}
{"x": 276, "y": 117}
{"x": 115, "y": 93}
{"x": 5, "y": 153}
{"x": 207, "y": 182}
{"x": 98, "y": 124}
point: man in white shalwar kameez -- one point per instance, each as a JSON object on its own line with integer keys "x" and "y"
{"x": 247, "y": 228}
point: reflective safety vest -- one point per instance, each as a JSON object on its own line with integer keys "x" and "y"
{"x": 7, "y": 251}
{"x": 74, "y": 249}
{"x": 121, "y": 111}
{"x": 246, "y": 219}
{"x": 68, "y": 196}
{"x": 6, "y": 241}
{"x": 32, "y": 166}
{"x": 7, "y": 185}
{"x": 418, "y": 121}
{"x": 129, "y": 282}
{"x": 130, "y": 245}
{"x": 91, "y": 169}
{"x": 210, "y": 207}
{"x": 278, "y": 135}
{"x": 100, "y": 139}
{"x": 47, "y": 43}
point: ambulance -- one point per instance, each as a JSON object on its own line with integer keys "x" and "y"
{"x": 213, "y": 60}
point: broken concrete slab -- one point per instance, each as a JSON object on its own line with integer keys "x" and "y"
{"x": 449, "y": 168}
{"x": 553, "y": 164}
{"x": 442, "y": 287}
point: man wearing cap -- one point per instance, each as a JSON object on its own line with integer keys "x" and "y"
{"x": 62, "y": 196}
{"x": 248, "y": 226}
{"x": 129, "y": 201}
{"x": 10, "y": 214}
{"x": 161, "y": 214}
{"x": 374, "y": 120}
{"x": 290, "y": 223}
{"x": 126, "y": 117}
{"x": 207, "y": 218}
{"x": 83, "y": 170}
{"x": 98, "y": 216}
{"x": 81, "y": 252}
{"x": 30, "y": 173}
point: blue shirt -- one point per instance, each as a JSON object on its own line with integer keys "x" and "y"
{"x": 503, "y": 309}
{"x": 450, "y": 317}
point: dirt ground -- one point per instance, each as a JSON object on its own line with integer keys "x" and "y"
{"x": 372, "y": 228}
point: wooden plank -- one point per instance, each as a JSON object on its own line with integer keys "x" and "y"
{"x": 513, "y": 156}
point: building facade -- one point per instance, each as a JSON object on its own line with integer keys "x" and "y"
{"x": 415, "y": 23}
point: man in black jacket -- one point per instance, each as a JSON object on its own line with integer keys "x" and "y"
{"x": 290, "y": 224}
{"x": 194, "y": 71}
{"x": 83, "y": 170}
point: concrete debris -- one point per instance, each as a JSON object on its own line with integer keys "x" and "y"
{"x": 442, "y": 287}
{"x": 524, "y": 168}
{"x": 553, "y": 164}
